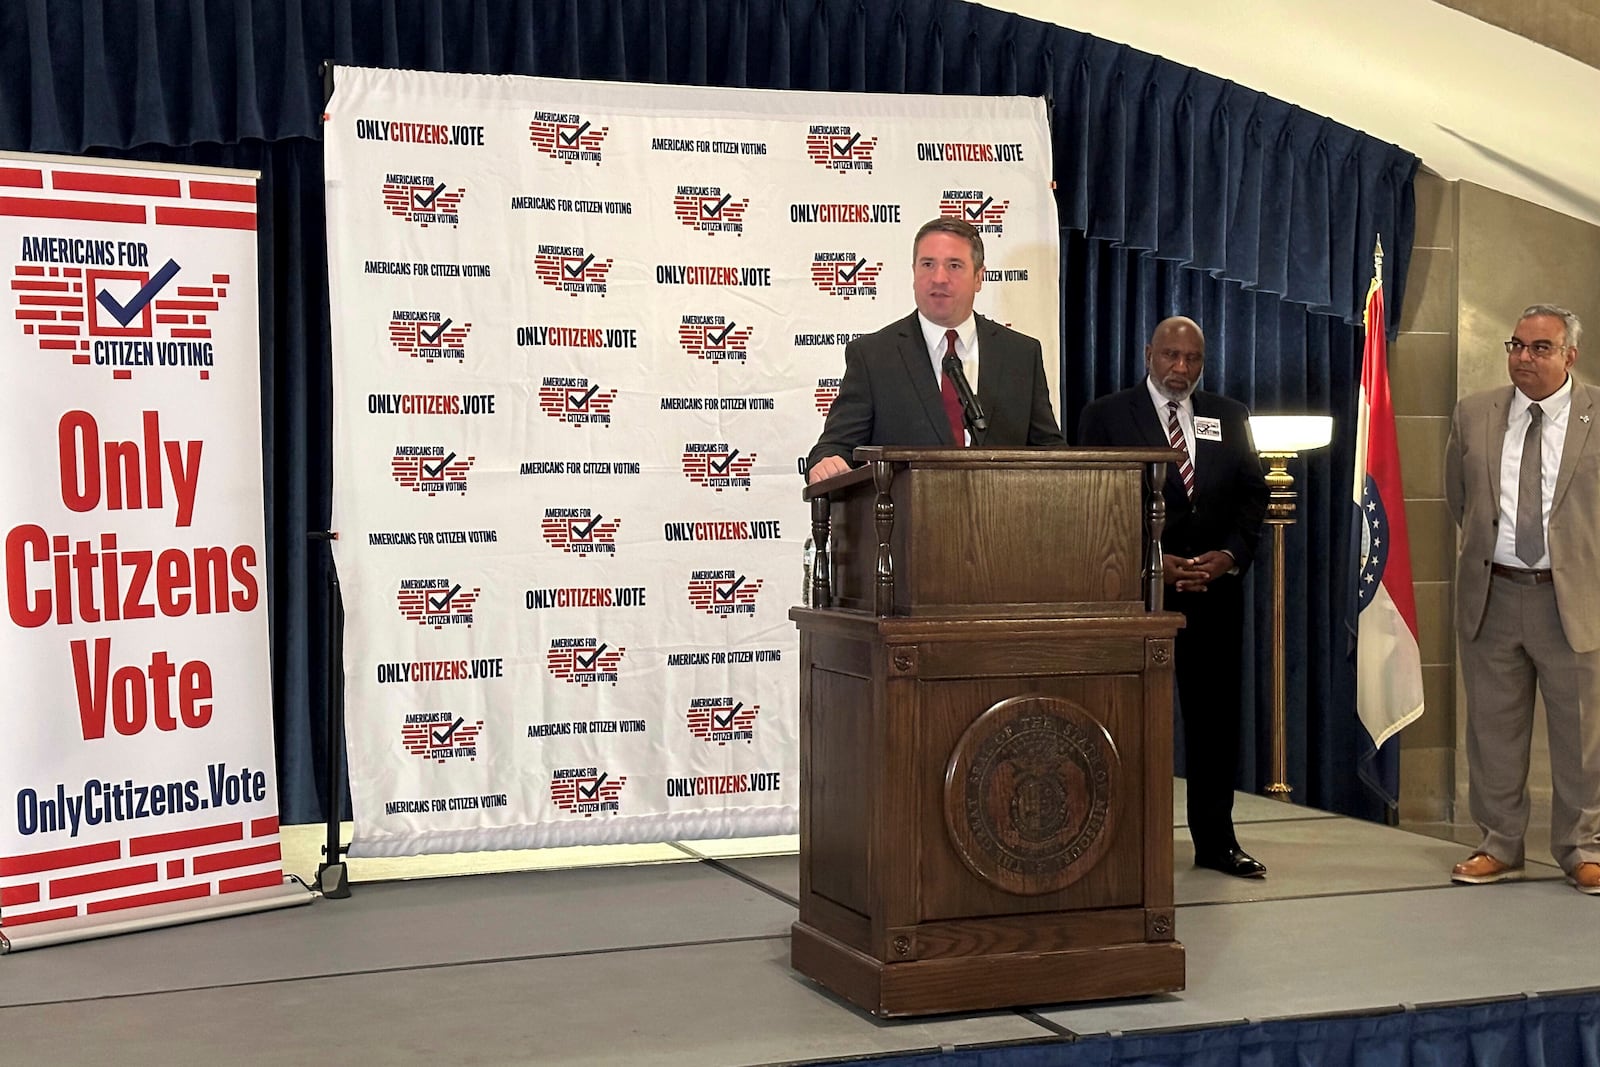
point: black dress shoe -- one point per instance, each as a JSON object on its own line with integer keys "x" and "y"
{"x": 1234, "y": 861}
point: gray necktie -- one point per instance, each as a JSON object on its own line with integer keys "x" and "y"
{"x": 1530, "y": 491}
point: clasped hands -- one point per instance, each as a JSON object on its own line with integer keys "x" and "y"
{"x": 1194, "y": 575}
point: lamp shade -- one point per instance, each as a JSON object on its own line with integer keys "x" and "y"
{"x": 1290, "y": 433}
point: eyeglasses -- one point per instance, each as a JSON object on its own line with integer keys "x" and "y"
{"x": 1537, "y": 349}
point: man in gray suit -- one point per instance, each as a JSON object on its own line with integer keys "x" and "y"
{"x": 1522, "y": 477}
{"x": 896, "y": 390}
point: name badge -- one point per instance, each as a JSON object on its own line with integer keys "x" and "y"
{"x": 1207, "y": 429}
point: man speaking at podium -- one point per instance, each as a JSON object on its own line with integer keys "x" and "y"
{"x": 941, "y": 376}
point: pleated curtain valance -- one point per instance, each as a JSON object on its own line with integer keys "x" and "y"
{"x": 1148, "y": 154}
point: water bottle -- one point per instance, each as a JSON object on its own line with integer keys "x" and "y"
{"x": 810, "y": 565}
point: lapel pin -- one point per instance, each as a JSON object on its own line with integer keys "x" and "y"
{"x": 1583, "y": 419}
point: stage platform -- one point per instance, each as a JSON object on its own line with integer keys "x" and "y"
{"x": 683, "y": 959}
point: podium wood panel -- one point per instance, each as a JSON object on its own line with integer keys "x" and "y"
{"x": 986, "y": 733}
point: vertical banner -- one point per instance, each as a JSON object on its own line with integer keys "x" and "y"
{"x": 582, "y": 331}
{"x": 137, "y": 763}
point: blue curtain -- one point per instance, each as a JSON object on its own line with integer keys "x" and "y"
{"x": 1561, "y": 1031}
{"x": 1275, "y": 356}
{"x": 1258, "y": 211}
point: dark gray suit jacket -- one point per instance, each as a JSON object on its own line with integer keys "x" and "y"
{"x": 890, "y": 394}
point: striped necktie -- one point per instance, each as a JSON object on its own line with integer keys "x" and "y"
{"x": 1175, "y": 439}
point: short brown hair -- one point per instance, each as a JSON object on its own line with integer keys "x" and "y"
{"x": 958, "y": 228}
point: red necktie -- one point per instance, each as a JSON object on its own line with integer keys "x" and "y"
{"x": 947, "y": 390}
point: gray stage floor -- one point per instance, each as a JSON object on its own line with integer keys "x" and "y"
{"x": 686, "y": 962}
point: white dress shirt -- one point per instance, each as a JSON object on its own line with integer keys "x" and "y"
{"x": 1552, "y": 436}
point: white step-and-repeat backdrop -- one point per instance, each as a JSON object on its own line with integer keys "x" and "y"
{"x": 582, "y": 332}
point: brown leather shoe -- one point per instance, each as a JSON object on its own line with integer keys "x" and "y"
{"x": 1480, "y": 868}
{"x": 1585, "y": 877}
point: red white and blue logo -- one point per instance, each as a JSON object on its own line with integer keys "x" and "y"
{"x": 840, "y": 148}
{"x": 428, "y": 335}
{"x": 438, "y": 736}
{"x": 583, "y": 661}
{"x": 845, "y": 274}
{"x": 121, "y": 318}
{"x": 576, "y": 401}
{"x": 707, "y": 209}
{"x": 717, "y": 465}
{"x": 571, "y": 269}
{"x": 586, "y": 791}
{"x": 422, "y": 199}
{"x": 719, "y": 720}
{"x": 723, "y": 593}
{"x": 436, "y": 602}
{"x": 571, "y": 138}
{"x": 714, "y": 338}
{"x": 826, "y": 393}
{"x": 580, "y": 531}
{"x": 974, "y": 206}
{"x": 430, "y": 469}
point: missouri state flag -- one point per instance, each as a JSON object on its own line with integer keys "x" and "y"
{"x": 1388, "y": 663}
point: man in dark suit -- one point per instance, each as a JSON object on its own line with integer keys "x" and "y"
{"x": 1216, "y": 500}
{"x": 895, "y": 391}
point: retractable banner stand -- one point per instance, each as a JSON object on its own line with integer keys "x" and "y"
{"x": 137, "y": 763}
{"x": 582, "y": 331}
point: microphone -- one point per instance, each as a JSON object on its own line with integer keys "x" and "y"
{"x": 976, "y": 421}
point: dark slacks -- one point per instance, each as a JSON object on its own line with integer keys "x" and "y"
{"x": 1207, "y": 669}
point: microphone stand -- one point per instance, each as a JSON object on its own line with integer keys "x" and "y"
{"x": 977, "y": 422}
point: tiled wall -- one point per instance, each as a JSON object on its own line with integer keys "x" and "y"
{"x": 1422, "y": 374}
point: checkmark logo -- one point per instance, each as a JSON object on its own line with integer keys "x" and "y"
{"x": 843, "y": 148}
{"x": 708, "y": 210}
{"x": 577, "y": 272}
{"x": 587, "y": 662}
{"x": 575, "y": 400}
{"x": 720, "y": 466}
{"x": 977, "y": 212}
{"x": 432, "y": 338}
{"x": 569, "y": 134}
{"x": 855, "y": 268}
{"x": 589, "y": 792}
{"x": 422, "y": 200}
{"x": 584, "y": 531}
{"x": 722, "y": 721}
{"x": 717, "y": 337}
{"x": 442, "y": 737}
{"x": 726, "y": 590}
{"x": 126, "y": 313}
{"x": 436, "y": 470}
{"x": 442, "y": 603}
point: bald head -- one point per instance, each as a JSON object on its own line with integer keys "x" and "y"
{"x": 1175, "y": 357}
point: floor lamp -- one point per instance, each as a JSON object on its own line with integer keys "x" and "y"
{"x": 1279, "y": 438}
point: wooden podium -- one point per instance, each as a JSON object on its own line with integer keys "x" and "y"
{"x": 986, "y": 731}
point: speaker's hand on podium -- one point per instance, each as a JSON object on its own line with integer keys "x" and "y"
{"x": 826, "y": 467}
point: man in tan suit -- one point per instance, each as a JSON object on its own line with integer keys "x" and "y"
{"x": 1522, "y": 477}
